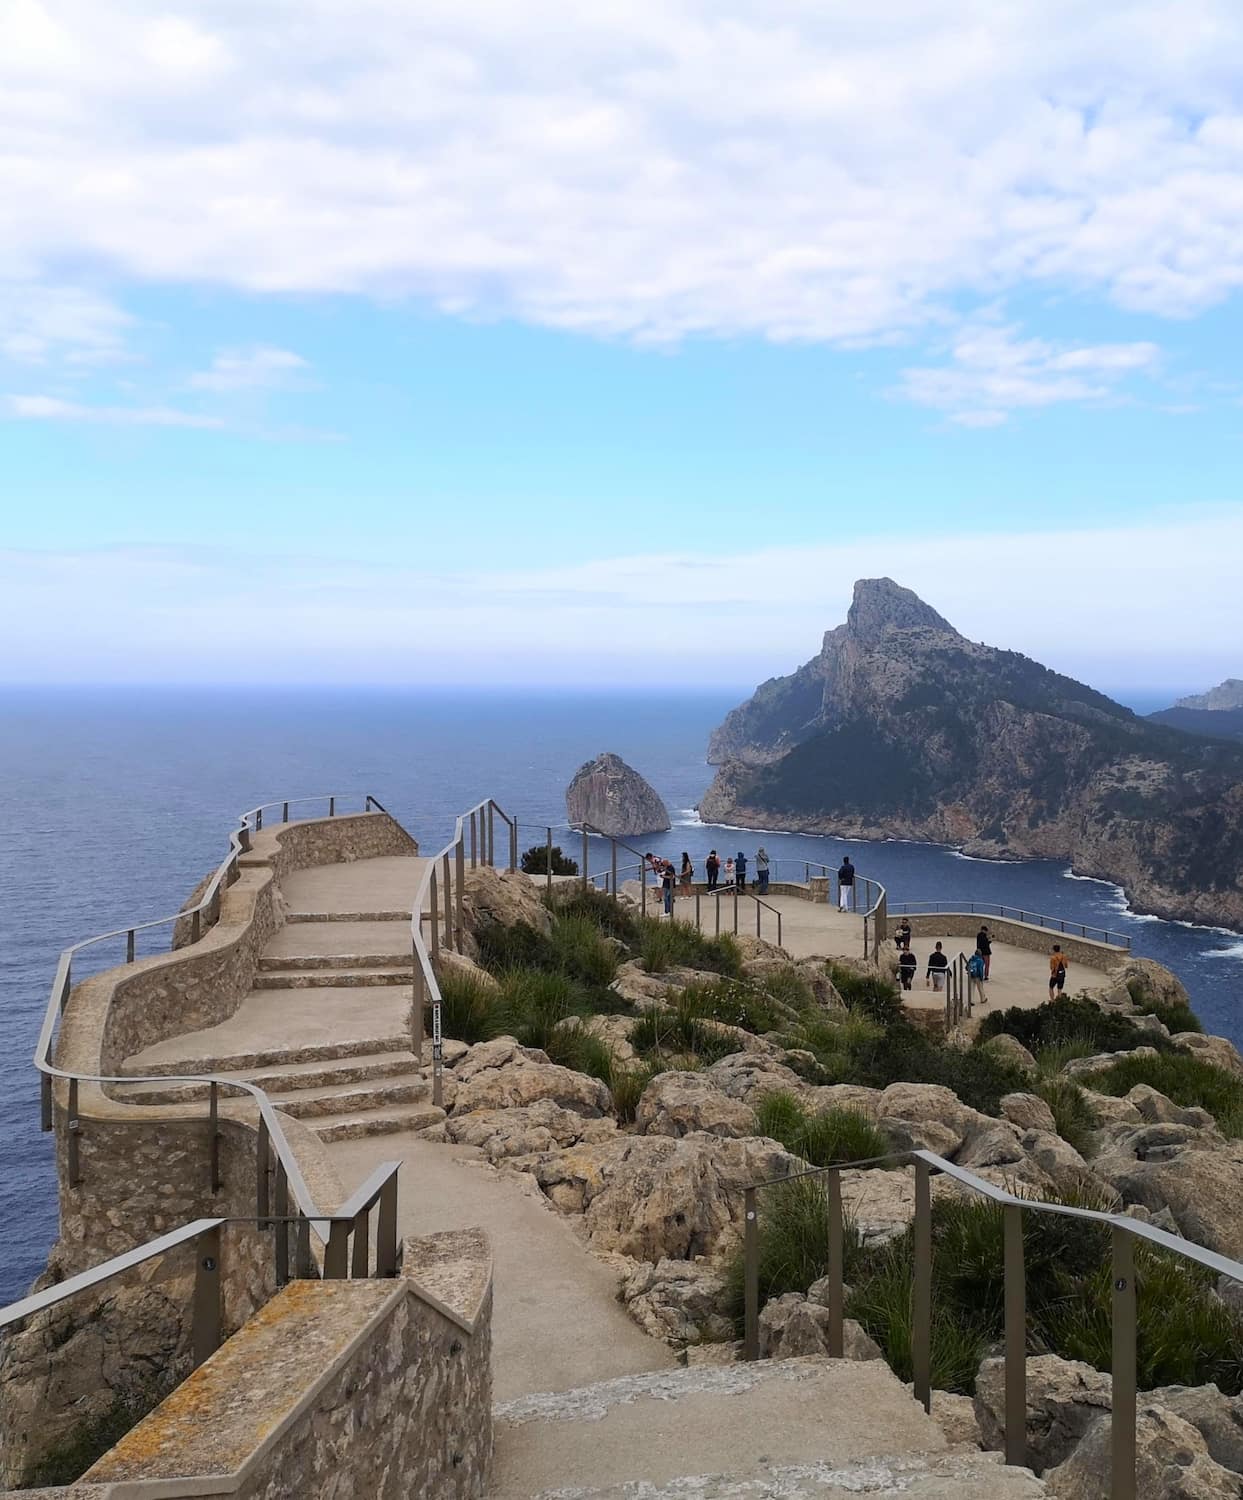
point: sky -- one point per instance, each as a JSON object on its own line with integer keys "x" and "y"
{"x": 460, "y": 343}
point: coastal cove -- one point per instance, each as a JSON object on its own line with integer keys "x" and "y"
{"x": 120, "y": 800}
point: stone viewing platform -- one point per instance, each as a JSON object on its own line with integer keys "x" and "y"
{"x": 509, "y": 1257}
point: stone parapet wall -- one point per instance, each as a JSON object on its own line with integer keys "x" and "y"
{"x": 1025, "y": 935}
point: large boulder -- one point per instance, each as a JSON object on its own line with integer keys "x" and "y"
{"x": 1172, "y": 1462}
{"x": 1218, "y": 1050}
{"x": 652, "y": 1197}
{"x": 508, "y": 1076}
{"x": 927, "y": 1103}
{"x": 680, "y": 1103}
{"x": 1153, "y": 981}
{"x": 1027, "y": 1111}
{"x": 853, "y": 1096}
{"x": 1156, "y": 1109}
{"x": 792, "y": 1326}
{"x": 1191, "y": 1172}
{"x": 679, "y": 1301}
{"x": 1064, "y": 1398}
{"x": 492, "y": 898}
{"x": 614, "y": 798}
{"x": 879, "y": 1203}
{"x": 526, "y": 1129}
{"x": 1217, "y": 1418}
{"x": 1008, "y": 1049}
{"x": 1084, "y": 1067}
{"x": 748, "y": 1076}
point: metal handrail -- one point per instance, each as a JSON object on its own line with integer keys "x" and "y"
{"x": 289, "y": 1178}
{"x": 1124, "y": 1231}
{"x": 1083, "y": 930}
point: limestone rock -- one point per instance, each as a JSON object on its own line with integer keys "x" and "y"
{"x": 678, "y": 1301}
{"x": 1217, "y": 1418}
{"x": 1058, "y": 1159}
{"x": 1028, "y": 1112}
{"x": 1172, "y": 1462}
{"x": 880, "y": 1203}
{"x": 655, "y": 1196}
{"x": 614, "y": 798}
{"x": 1154, "y": 1107}
{"x": 679, "y": 1103}
{"x": 1108, "y": 1110}
{"x": 1008, "y": 1049}
{"x": 614, "y": 1032}
{"x": 449, "y": 962}
{"x": 750, "y": 1075}
{"x": 703, "y": 1356}
{"x": 919, "y": 1135}
{"x": 525, "y": 1129}
{"x": 1083, "y": 1067}
{"x": 1218, "y": 1050}
{"x": 493, "y": 898}
{"x": 1156, "y": 981}
{"x": 955, "y": 1416}
{"x": 854, "y": 1096}
{"x": 504, "y": 1075}
{"x": 1064, "y": 1398}
{"x": 927, "y": 1102}
{"x": 632, "y": 982}
{"x": 792, "y": 1326}
{"x": 999, "y": 1144}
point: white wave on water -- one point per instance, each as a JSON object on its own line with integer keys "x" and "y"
{"x": 977, "y": 859}
{"x": 1234, "y": 951}
{"x": 1118, "y": 902}
{"x": 687, "y": 817}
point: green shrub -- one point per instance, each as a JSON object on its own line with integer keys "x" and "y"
{"x": 1069, "y": 1019}
{"x": 788, "y": 989}
{"x": 681, "y": 1030}
{"x": 609, "y": 916}
{"x": 536, "y": 859}
{"x": 668, "y": 944}
{"x": 1072, "y": 1114}
{"x": 826, "y": 1139}
{"x": 471, "y": 1010}
{"x": 904, "y": 1055}
{"x": 536, "y": 1003}
{"x": 868, "y": 994}
{"x": 736, "y": 1002}
{"x": 504, "y": 949}
{"x": 1185, "y": 1079}
{"x": 627, "y": 1080}
{"x": 1174, "y": 1017}
{"x": 572, "y": 1046}
{"x": 581, "y": 950}
{"x": 793, "y": 1242}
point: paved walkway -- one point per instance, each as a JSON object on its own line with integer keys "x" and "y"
{"x": 1018, "y": 977}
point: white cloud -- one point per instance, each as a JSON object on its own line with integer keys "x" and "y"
{"x": 653, "y": 169}
{"x": 260, "y": 367}
{"x": 53, "y": 409}
{"x": 992, "y": 372}
{"x": 317, "y": 619}
{"x": 40, "y": 323}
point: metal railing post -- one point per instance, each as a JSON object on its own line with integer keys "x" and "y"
{"x": 285, "y": 812}
{"x": 759, "y": 911}
{"x": 1122, "y": 1430}
{"x": 448, "y": 903}
{"x": 460, "y": 861}
{"x": 45, "y": 1101}
{"x": 491, "y": 836}
{"x": 361, "y": 1267}
{"x": 304, "y": 1263}
{"x": 281, "y": 1209}
{"x": 548, "y": 864}
{"x": 1016, "y": 1337}
{"x": 332, "y": 807}
{"x": 698, "y": 920}
{"x": 585, "y": 851}
{"x": 336, "y": 1257}
{"x": 196, "y": 925}
{"x": 718, "y": 915}
{"x": 262, "y": 1200}
{"x": 751, "y": 1277}
{"x": 129, "y": 946}
{"x": 205, "y": 1315}
{"x": 73, "y": 1127}
{"x": 386, "y": 1230}
{"x": 735, "y": 910}
{"x": 613, "y": 866}
{"x": 474, "y": 842}
{"x": 435, "y": 914}
{"x": 779, "y": 929}
{"x": 921, "y": 1294}
{"x": 417, "y": 1019}
{"x": 213, "y": 1135}
{"x": 836, "y": 1269}
{"x": 513, "y": 846}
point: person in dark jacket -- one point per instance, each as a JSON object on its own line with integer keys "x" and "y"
{"x": 713, "y": 866}
{"x": 938, "y": 963}
{"x": 907, "y": 964}
{"x": 903, "y": 935}
{"x": 740, "y": 870}
{"x": 845, "y": 885}
{"x": 984, "y": 947}
{"x": 668, "y": 878}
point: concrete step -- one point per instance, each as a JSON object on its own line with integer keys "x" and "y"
{"x": 315, "y": 979}
{"x": 386, "y": 1120}
{"x": 793, "y": 1427}
{"x": 348, "y": 916}
{"x": 281, "y": 963}
{"x": 354, "y": 1098}
{"x": 248, "y": 1063}
{"x": 284, "y": 1079}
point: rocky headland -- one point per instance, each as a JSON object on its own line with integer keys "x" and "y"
{"x": 901, "y": 727}
{"x": 1228, "y": 694}
{"x": 613, "y": 797}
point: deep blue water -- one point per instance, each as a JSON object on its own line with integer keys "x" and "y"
{"x": 117, "y": 801}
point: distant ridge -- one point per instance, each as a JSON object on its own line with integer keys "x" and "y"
{"x": 1223, "y": 723}
{"x": 1226, "y": 695}
{"x": 901, "y": 727}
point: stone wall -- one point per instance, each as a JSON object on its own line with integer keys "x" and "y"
{"x": 1018, "y": 934}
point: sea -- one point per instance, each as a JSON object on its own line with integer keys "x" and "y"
{"x": 115, "y": 801}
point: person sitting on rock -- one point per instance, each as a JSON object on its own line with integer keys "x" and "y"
{"x": 938, "y": 963}
{"x": 907, "y": 964}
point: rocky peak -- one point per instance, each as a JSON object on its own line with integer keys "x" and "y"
{"x": 1226, "y": 695}
{"x": 614, "y": 798}
{"x": 881, "y": 605}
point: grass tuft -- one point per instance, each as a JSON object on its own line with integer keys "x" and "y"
{"x": 824, "y": 1140}
{"x": 1186, "y": 1080}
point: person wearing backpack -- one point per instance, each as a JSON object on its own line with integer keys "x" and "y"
{"x": 984, "y": 947}
{"x": 1057, "y": 971}
{"x": 975, "y": 977}
{"x": 740, "y": 870}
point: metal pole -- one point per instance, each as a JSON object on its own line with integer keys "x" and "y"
{"x": 513, "y": 846}
{"x": 718, "y": 914}
{"x": 285, "y": 812}
{"x": 460, "y": 860}
{"x": 474, "y": 842}
{"x": 196, "y": 925}
{"x": 698, "y": 920}
{"x": 921, "y": 1309}
{"x": 438, "y": 1051}
{"x": 45, "y": 1101}
{"x": 213, "y": 1135}
{"x": 1016, "y": 1337}
{"x": 613, "y": 865}
{"x": 362, "y": 1244}
{"x": 435, "y": 924}
{"x": 386, "y": 1230}
{"x": 836, "y": 1251}
{"x": 129, "y": 946}
{"x": 205, "y": 1316}
{"x": 491, "y": 836}
{"x": 282, "y": 1223}
{"x": 758, "y": 911}
{"x": 584, "y": 856}
{"x": 751, "y": 1277}
{"x": 417, "y": 1021}
{"x": 1122, "y": 1432}
{"x": 779, "y": 929}
{"x": 735, "y": 908}
{"x": 74, "y": 1127}
{"x": 548, "y": 864}
{"x": 448, "y": 903}
{"x": 336, "y": 1257}
{"x": 262, "y": 1202}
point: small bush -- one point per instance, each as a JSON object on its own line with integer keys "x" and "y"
{"x": 793, "y": 1242}
{"x": 904, "y": 1055}
{"x": 868, "y": 994}
{"x": 1185, "y": 1079}
{"x": 1174, "y": 1017}
{"x": 1069, "y": 1019}
{"x": 735, "y": 1002}
{"x": 504, "y": 949}
{"x": 788, "y": 988}
{"x": 536, "y": 1003}
{"x": 1072, "y": 1113}
{"x": 627, "y": 1080}
{"x": 582, "y": 951}
{"x": 572, "y": 1046}
{"x": 610, "y": 917}
{"x": 665, "y": 945}
{"x": 470, "y": 1009}
{"x": 535, "y": 861}
{"x": 681, "y": 1030}
{"x": 824, "y": 1140}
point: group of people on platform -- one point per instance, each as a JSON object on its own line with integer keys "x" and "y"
{"x": 979, "y": 965}
{"x": 730, "y": 875}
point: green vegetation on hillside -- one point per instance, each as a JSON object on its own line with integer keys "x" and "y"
{"x": 1068, "y": 1020}
{"x": 1186, "y": 1080}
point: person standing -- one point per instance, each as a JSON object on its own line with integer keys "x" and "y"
{"x": 984, "y": 947}
{"x": 938, "y": 963}
{"x": 688, "y": 873}
{"x": 761, "y": 869}
{"x": 667, "y": 880}
{"x": 1058, "y": 964}
{"x": 903, "y": 935}
{"x": 713, "y": 867}
{"x": 975, "y": 979}
{"x": 845, "y": 885}
{"x": 729, "y": 873}
{"x": 907, "y": 964}
{"x": 740, "y": 870}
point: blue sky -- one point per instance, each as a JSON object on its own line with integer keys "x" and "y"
{"x": 474, "y": 342}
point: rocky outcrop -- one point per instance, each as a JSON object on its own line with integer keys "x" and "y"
{"x": 679, "y": 1301}
{"x": 1064, "y": 1398}
{"x": 1190, "y": 1172}
{"x": 1172, "y": 1462}
{"x": 502, "y": 1075}
{"x": 902, "y": 727}
{"x": 614, "y": 798}
{"x": 680, "y": 1103}
{"x": 793, "y": 1325}
{"x": 1225, "y": 695}
{"x": 526, "y": 1129}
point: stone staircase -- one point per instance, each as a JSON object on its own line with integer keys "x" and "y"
{"x": 796, "y": 1428}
